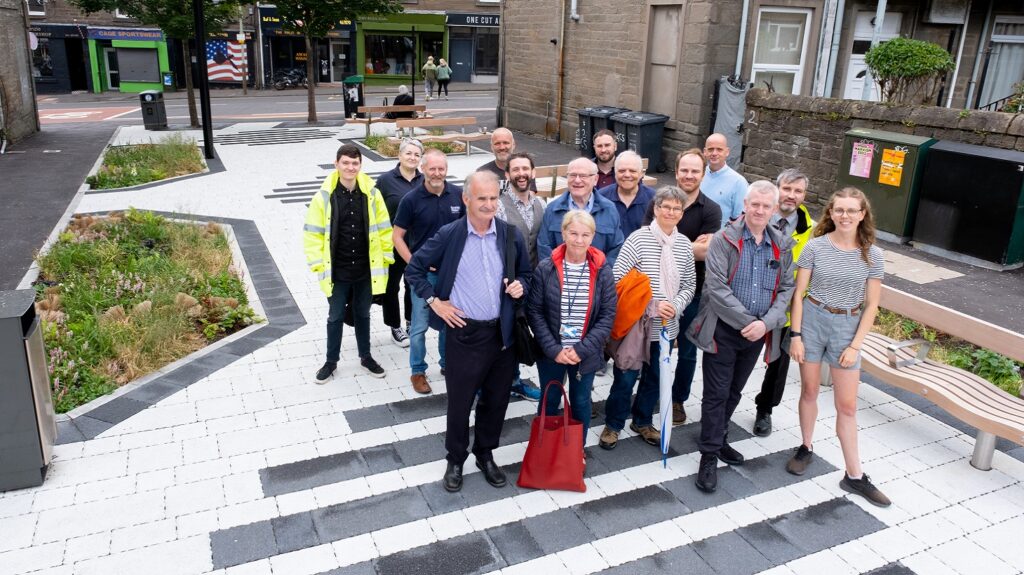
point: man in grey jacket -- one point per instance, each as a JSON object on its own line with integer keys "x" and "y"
{"x": 747, "y": 289}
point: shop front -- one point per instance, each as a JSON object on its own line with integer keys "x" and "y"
{"x": 284, "y": 49}
{"x": 473, "y": 45}
{"x": 60, "y": 61}
{"x": 127, "y": 59}
{"x": 392, "y": 48}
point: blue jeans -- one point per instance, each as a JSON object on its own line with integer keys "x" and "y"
{"x": 418, "y": 332}
{"x": 361, "y": 296}
{"x": 686, "y": 363}
{"x": 580, "y": 388}
{"x": 618, "y": 406}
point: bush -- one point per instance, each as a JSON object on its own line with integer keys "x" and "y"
{"x": 139, "y": 164}
{"x": 1016, "y": 102}
{"x": 385, "y": 147}
{"x": 908, "y": 71}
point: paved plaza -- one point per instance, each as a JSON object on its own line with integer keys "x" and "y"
{"x": 237, "y": 463}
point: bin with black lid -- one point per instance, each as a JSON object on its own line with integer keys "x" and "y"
{"x": 353, "y": 93}
{"x": 644, "y": 132}
{"x": 591, "y": 121}
{"x": 154, "y": 113}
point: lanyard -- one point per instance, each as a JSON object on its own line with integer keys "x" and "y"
{"x": 574, "y": 293}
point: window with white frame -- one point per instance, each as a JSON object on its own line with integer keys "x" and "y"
{"x": 119, "y": 14}
{"x": 36, "y": 7}
{"x": 1006, "y": 59}
{"x": 780, "y": 48}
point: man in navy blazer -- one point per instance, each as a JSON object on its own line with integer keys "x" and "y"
{"x": 475, "y": 302}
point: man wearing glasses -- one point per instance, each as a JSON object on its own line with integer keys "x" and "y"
{"x": 582, "y": 178}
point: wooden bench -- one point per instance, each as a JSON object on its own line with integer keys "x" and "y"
{"x": 969, "y": 398}
{"x": 410, "y": 125}
{"x": 383, "y": 110}
{"x": 550, "y": 180}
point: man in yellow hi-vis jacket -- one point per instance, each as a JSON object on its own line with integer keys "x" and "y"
{"x": 347, "y": 239}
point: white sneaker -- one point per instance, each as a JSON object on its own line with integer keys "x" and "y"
{"x": 399, "y": 337}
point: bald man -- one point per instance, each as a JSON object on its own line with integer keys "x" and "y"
{"x": 721, "y": 183}
{"x": 503, "y": 145}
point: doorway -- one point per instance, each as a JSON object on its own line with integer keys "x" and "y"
{"x": 856, "y": 68}
{"x": 113, "y": 76}
{"x": 461, "y": 60}
{"x": 77, "y": 65}
{"x": 339, "y": 61}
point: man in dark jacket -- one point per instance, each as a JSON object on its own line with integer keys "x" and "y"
{"x": 473, "y": 302}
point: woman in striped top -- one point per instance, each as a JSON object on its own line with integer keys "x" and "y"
{"x": 666, "y": 257}
{"x": 571, "y": 308}
{"x": 840, "y": 270}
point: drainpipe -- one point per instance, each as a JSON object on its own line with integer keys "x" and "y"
{"x": 833, "y": 53}
{"x": 561, "y": 74}
{"x": 977, "y": 57}
{"x": 959, "y": 54}
{"x": 743, "y": 39}
{"x": 879, "y": 22}
{"x": 573, "y": 13}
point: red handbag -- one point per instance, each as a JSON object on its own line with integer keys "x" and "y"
{"x": 554, "y": 455}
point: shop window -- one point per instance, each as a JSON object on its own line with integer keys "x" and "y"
{"x": 780, "y": 49}
{"x": 42, "y": 63}
{"x": 662, "y": 74}
{"x": 390, "y": 54}
{"x": 36, "y": 7}
{"x": 432, "y": 44}
{"x": 486, "y": 51}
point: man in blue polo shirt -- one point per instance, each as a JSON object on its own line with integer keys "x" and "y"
{"x": 582, "y": 176}
{"x": 721, "y": 183}
{"x": 628, "y": 193}
{"x": 422, "y": 212}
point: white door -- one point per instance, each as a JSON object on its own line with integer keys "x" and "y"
{"x": 113, "y": 75}
{"x": 864, "y": 28}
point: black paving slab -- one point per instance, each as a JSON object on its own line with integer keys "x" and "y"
{"x": 730, "y": 553}
{"x": 892, "y": 569}
{"x": 242, "y": 544}
{"x": 33, "y": 203}
{"x": 293, "y": 532}
{"x": 469, "y": 554}
{"x": 825, "y": 525}
{"x": 678, "y": 560}
{"x": 311, "y": 473}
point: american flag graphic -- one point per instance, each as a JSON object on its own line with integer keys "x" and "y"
{"x": 224, "y": 60}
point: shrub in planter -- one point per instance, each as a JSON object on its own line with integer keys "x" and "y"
{"x": 909, "y": 71}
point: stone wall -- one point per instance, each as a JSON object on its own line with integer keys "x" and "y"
{"x": 18, "y": 117}
{"x": 784, "y": 131}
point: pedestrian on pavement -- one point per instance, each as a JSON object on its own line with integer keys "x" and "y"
{"x": 629, "y": 194}
{"x": 581, "y": 177}
{"x": 791, "y": 217}
{"x": 748, "y": 287}
{"x": 841, "y": 271}
{"x": 474, "y": 302}
{"x": 421, "y": 213}
{"x": 571, "y": 310}
{"x": 350, "y": 262}
{"x": 665, "y": 256}
{"x": 444, "y": 75}
{"x": 394, "y": 185}
{"x": 605, "y": 148}
{"x": 723, "y": 184}
{"x": 701, "y": 219}
{"x": 429, "y": 76}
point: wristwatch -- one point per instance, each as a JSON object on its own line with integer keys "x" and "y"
{"x": 793, "y": 334}
{"x": 430, "y": 300}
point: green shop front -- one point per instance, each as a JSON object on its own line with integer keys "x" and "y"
{"x": 392, "y": 48}
{"x": 127, "y": 59}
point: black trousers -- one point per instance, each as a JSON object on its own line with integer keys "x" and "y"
{"x": 725, "y": 375}
{"x": 392, "y": 310}
{"x": 475, "y": 360}
{"x": 774, "y": 382}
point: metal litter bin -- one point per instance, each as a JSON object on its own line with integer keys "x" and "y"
{"x": 154, "y": 113}
{"x": 887, "y": 167}
{"x": 591, "y": 121}
{"x": 644, "y": 132}
{"x": 27, "y": 425}
{"x": 353, "y": 92}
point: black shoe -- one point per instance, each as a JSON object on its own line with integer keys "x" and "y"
{"x": 452, "y": 480}
{"x": 371, "y": 365}
{"x": 865, "y": 488}
{"x": 729, "y": 455}
{"x": 800, "y": 460}
{"x": 492, "y": 473}
{"x": 707, "y": 475}
{"x": 763, "y": 424}
{"x": 323, "y": 375}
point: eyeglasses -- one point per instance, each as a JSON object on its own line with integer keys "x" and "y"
{"x": 672, "y": 209}
{"x": 844, "y": 212}
{"x": 575, "y": 176}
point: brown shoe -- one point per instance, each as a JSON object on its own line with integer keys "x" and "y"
{"x": 419, "y": 383}
{"x": 651, "y": 436}
{"x": 678, "y": 414}
{"x": 609, "y": 438}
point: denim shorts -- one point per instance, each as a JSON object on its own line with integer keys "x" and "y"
{"x": 825, "y": 335}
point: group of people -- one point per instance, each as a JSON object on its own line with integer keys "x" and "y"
{"x": 731, "y": 268}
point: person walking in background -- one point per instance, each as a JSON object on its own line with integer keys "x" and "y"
{"x": 841, "y": 272}
{"x": 665, "y": 256}
{"x": 429, "y": 76}
{"x": 571, "y": 309}
{"x": 444, "y": 75}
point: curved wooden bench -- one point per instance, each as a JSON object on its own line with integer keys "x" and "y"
{"x": 964, "y": 395}
{"x": 412, "y": 124}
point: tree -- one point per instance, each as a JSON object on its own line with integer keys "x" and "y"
{"x": 177, "y": 21}
{"x": 908, "y": 71}
{"x": 315, "y": 18}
